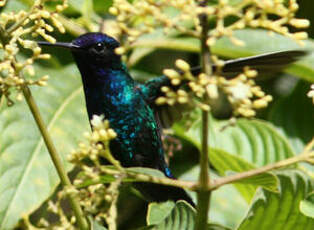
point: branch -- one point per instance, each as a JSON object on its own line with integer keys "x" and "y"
{"x": 140, "y": 177}
{"x": 306, "y": 156}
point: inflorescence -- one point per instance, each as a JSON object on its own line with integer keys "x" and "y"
{"x": 14, "y": 30}
{"x": 94, "y": 197}
{"x": 145, "y": 16}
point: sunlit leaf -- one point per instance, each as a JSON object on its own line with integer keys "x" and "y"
{"x": 181, "y": 216}
{"x": 256, "y": 141}
{"x": 244, "y": 146}
{"x": 157, "y": 212}
{"x": 279, "y": 211}
{"x": 227, "y": 164}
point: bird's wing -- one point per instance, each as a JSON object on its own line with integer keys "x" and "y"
{"x": 269, "y": 62}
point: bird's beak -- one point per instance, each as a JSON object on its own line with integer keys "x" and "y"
{"x": 66, "y": 45}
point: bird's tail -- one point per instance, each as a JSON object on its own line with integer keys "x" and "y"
{"x": 158, "y": 193}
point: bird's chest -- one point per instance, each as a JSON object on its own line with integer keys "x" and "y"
{"x": 138, "y": 142}
{"x": 112, "y": 100}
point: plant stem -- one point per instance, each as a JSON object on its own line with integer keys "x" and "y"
{"x": 203, "y": 194}
{"x": 82, "y": 223}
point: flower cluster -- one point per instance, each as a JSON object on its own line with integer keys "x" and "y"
{"x": 94, "y": 197}
{"x": 242, "y": 92}
{"x": 145, "y": 16}
{"x": 273, "y": 15}
{"x": 13, "y": 28}
{"x": 244, "y": 95}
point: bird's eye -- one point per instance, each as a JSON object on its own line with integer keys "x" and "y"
{"x": 99, "y": 47}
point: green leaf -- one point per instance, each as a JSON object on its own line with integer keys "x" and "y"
{"x": 279, "y": 211}
{"x": 177, "y": 217}
{"x": 147, "y": 171}
{"x": 217, "y": 227}
{"x": 95, "y": 225}
{"x": 14, "y": 6}
{"x": 76, "y": 5}
{"x": 182, "y": 216}
{"x": 88, "y": 11}
{"x": 27, "y": 175}
{"x": 244, "y": 146}
{"x": 101, "y": 7}
{"x": 149, "y": 42}
{"x": 157, "y": 212}
{"x": 225, "y": 162}
{"x": 138, "y": 54}
{"x": 256, "y": 141}
{"x": 307, "y": 205}
{"x": 293, "y": 117}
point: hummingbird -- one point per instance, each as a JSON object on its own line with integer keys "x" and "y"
{"x": 130, "y": 106}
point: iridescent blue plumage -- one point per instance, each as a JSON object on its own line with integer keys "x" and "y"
{"x": 109, "y": 90}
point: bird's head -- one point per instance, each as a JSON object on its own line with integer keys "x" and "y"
{"x": 95, "y": 48}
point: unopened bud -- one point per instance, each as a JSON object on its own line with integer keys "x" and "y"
{"x": 119, "y": 50}
{"x": 171, "y": 73}
{"x": 300, "y": 23}
{"x": 161, "y": 100}
{"x": 300, "y": 35}
{"x": 260, "y": 103}
{"x": 182, "y": 65}
{"x": 113, "y": 11}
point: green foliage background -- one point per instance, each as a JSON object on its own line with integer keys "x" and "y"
{"x": 28, "y": 178}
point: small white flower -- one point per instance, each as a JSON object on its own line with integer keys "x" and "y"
{"x": 97, "y": 120}
{"x": 240, "y": 91}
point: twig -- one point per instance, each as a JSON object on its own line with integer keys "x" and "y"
{"x": 306, "y": 156}
{"x": 140, "y": 177}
